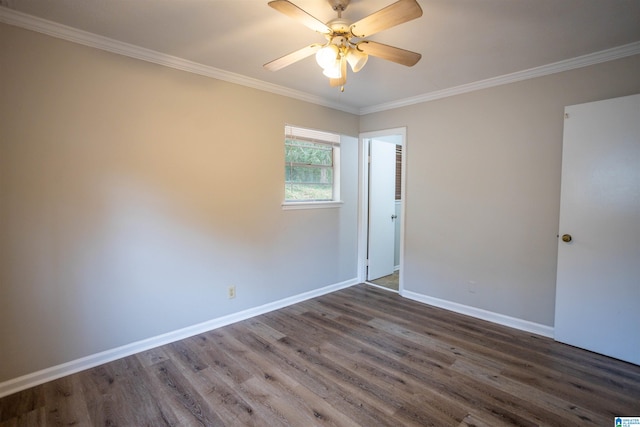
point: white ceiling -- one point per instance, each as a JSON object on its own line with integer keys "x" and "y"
{"x": 461, "y": 41}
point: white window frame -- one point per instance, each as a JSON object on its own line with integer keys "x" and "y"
{"x": 323, "y": 137}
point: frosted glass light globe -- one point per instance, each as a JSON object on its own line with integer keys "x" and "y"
{"x": 356, "y": 59}
{"x": 327, "y": 56}
{"x": 333, "y": 72}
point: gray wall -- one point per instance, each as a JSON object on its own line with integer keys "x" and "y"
{"x": 132, "y": 195}
{"x": 483, "y": 188}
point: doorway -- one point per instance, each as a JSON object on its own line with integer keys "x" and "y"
{"x": 382, "y": 208}
{"x": 597, "y": 290}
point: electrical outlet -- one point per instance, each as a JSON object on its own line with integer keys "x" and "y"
{"x": 231, "y": 291}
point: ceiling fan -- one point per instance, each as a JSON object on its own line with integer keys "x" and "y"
{"x": 343, "y": 45}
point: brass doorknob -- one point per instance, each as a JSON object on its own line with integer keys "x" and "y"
{"x": 566, "y": 238}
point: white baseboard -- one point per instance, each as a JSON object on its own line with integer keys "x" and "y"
{"x": 384, "y": 288}
{"x": 501, "y": 319}
{"x": 33, "y": 379}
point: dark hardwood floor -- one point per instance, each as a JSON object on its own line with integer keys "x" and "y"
{"x": 358, "y": 357}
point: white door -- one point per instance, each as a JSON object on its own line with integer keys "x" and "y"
{"x": 382, "y": 176}
{"x": 598, "y": 282}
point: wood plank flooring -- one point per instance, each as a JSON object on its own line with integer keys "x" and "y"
{"x": 357, "y": 357}
{"x": 391, "y": 281}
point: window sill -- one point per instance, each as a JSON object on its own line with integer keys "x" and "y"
{"x": 287, "y": 206}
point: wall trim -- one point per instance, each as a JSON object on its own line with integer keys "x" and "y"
{"x": 54, "y": 29}
{"x": 501, "y": 319}
{"x": 64, "y": 32}
{"x": 544, "y": 70}
{"x": 49, "y": 374}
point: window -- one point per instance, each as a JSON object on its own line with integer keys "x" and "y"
{"x": 312, "y": 166}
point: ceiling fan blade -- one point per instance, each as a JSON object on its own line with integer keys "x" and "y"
{"x": 390, "y": 53}
{"x": 293, "y": 11}
{"x": 397, "y": 13}
{"x": 343, "y": 75}
{"x": 289, "y": 59}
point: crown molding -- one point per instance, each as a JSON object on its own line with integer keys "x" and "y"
{"x": 54, "y": 29}
{"x": 544, "y": 70}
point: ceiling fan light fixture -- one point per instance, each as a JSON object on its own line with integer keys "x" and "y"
{"x": 327, "y": 57}
{"x": 356, "y": 59}
{"x": 333, "y": 72}
{"x": 340, "y": 48}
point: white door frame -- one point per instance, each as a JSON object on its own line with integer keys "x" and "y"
{"x": 363, "y": 202}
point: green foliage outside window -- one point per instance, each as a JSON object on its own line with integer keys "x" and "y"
{"x": 308, "y": 171}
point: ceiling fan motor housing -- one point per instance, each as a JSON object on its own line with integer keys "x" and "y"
{"x": 339, "y": 26}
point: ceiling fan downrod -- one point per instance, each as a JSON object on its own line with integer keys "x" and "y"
{"x": 339, "y": 6}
